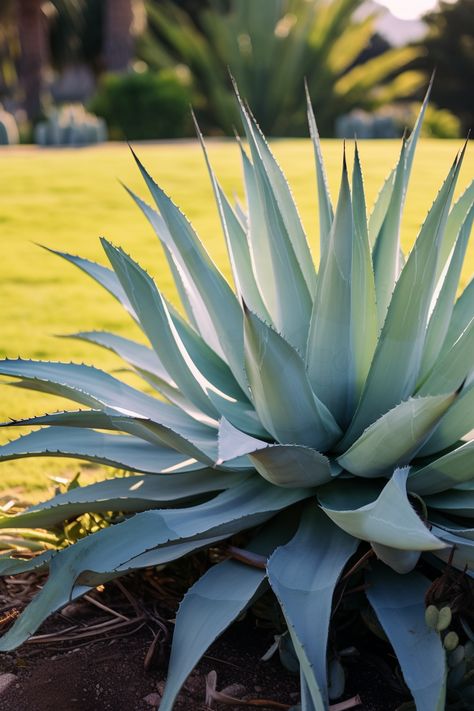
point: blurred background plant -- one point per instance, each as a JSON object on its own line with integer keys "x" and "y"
{"x": 162, "y": 55}
{"x": 271, "y": 47}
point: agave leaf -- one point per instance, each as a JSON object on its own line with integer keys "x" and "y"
{"x": 386, "y": 253}
{"x": 190, "y": 296}
{"x": 456, "y": 502}
{"x": 443, "y": 309}
{"x": 212, "y": 603}
{"x": 400, "y": 561}
{"x": 127, "y": 494}
{"x": 279, "y": 197}
{"x": 116, "y": 549}
{"x": 219, "y": 300}
{"x": 119, "y": 451}
{"x": 447, "y": 471}
{"x": 282, "y": 465}
{"x": 303, "y": 575}
{"x": 457, "y": 217}
{"x": 17, "y": 566}
{"x": 241, "y": 415}
{"x": 156, "y": 322}
{"x": 399, "y": 603}
{"x": 396, "y": 436}
{"x": 210, "y": 364}
{"x": 278, "y": 273}
{"x": 461, "y": 316}
{"x": 363, "y": 303}
{"x": 140, "y": 357}
{"x": 460, "y": 552}
{"x": 145, "y": 363}
{"x": 400, "y": 346}
{"x": 97, "y": 419}
{"x": 380, "y": 516}
{"x": 326, "y": 214}
{"x": 92, "y": 387}
{"x": 292, "y": 465}
{"x": 236, "y": 241}
{"x": 329, "y": 355}
{"x": 382, "y": 202}
{"x": 290, "y": 412}
{"x": 456, "y": 423}
{"x": 102, "y": 275}
{"x": 452, "y": 368}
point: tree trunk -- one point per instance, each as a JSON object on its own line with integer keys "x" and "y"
{"x": 118, "y": 38}
{"x": 31, "y": 30}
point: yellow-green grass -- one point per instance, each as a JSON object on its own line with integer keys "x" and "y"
{"x": 66, "y": 199}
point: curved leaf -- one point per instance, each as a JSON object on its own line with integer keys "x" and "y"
{"x": 156, "y": 322}
{"x": 128, "y": 494}
{"x": 225, "y": 314}
{"x": 120, "y": 451}
{"x": 114, "y": 550}
{"x": 394, "y": 438}
{"x": 399, "y": 603}
{"x": 209, "y": 607}
{"x": 303, "y": 575}
{"x": 290, "y": 412}
{"x": 455, "y": 467}
{"x": 400, "y": 346}
{"x": 384, "y": 517}
{"x": 329, "y": 355}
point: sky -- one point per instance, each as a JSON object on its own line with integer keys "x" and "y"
{"x": 409, "y": 9}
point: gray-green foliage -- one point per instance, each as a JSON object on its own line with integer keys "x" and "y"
{"x": 70, "y": 126}
{"x": 317, "y": 408}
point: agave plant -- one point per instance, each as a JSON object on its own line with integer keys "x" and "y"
{"x": 319, "y": 410}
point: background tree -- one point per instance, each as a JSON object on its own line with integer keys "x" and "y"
{"x": 270, "y": 47}
{"x": 32, "y": 38}
{"x": 450, "y": 49}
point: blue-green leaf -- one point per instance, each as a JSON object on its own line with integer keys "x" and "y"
{"x": 326, "y": 214}
{"x": 128, "y": 494}
{"x": 119, "y": 451}
{"x": 303, "y": 575}
{"x": 377, "y": 515}
{"x": 220, "y": 302}
{"x": 363, "y": 304}
{"x": 114, "y": 550}
{"x": 396, "y": 437}
{"x": 210, "y": 606}
{"x": 157, "y": 324}
{"x": 400, "y": 346}
{"x": 278, "y": 272}
{"x": 399, "y": 603}
{"x": 455, "y": 467}
{"x": 290, "y": 412}
{"x": 329, "y": 355}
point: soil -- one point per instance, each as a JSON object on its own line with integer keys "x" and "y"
{"x": 109, "y": 675}
{"x": 79, "y": 667}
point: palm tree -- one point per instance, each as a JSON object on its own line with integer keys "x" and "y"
{"x": 32, "y": 35}
{"x": 118, "y": 38}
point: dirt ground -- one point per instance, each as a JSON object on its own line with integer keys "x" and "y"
{"x": 109, "y": 652}
{"x": 109, "y": 675}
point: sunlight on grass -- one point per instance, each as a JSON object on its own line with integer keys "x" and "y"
{"x": 66, "y": 199}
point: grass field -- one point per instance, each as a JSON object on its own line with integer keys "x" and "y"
{"x": 66, "y": 199}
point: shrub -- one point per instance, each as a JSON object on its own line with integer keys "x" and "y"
{"x": 70, "y": 125}
{"x": 141, "y": 106}
{"x": 323, "y": 412}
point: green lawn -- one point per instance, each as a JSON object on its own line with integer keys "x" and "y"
{"x": 66, "y": 199}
